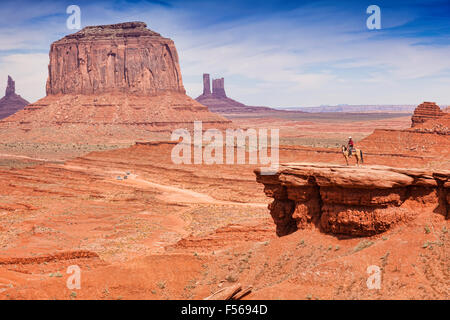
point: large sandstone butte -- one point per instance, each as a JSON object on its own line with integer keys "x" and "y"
{"x": 425, "y": 112}
{"x": 11, "y": 102}
{"x": 125, "y": 57}
{"x": 110, "y": 83}
{"x": 353, "y": 201}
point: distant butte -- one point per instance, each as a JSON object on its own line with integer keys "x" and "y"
{"x": 110, "y": 83}
{"x": 11, "y": 102}
{"x": 429, "y": 117}
{"x": 424, "y": 112}
{"x": 218, "y": 101}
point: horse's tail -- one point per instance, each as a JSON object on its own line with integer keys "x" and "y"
{"x": 362, "y": 157}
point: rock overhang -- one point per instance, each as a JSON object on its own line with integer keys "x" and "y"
{"x": 355, "y": 201}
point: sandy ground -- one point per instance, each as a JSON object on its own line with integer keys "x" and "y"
{"x": 170, "y": 231}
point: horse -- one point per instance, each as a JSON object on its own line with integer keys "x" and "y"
{"x": 357, "y": 152}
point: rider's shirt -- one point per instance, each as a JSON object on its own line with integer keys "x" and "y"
{"x": 350, "y": 143}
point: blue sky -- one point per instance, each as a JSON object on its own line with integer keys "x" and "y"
{"x": 274, "y": 53}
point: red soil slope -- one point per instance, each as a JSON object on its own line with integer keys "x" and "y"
{"x": 184, "y": 231}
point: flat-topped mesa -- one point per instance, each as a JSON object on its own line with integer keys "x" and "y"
{"x": 425, "y": 112}
{"x": 354, "y": 201}
{"x": 118, "y": 58}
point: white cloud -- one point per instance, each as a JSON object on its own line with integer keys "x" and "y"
{"x": 293, "y": 63}
{"x": 308, "y": 56}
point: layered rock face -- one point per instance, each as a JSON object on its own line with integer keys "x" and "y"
{"x": 429, "y": 118}
{"x": 110, "y": 83}
{"x": 352, "y": 201}
{"x": 125, "y": 57}
{"x": 11, "y": 102}
{"x": 425, "y": 112}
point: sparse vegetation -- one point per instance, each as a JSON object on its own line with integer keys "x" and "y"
{"x": 430, "y": 244}
{"x": 231, "y": 278}
{"x": 162, "y": 285}
{"x": 363, "y": 245}
{"x": 56, "y": 274}
{"x": 384, "y": 259}
{"x": 301, "y": 244}
{"x": 191, "y": 285}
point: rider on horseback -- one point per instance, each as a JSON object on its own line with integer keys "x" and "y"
{"x": 350, "y": 146}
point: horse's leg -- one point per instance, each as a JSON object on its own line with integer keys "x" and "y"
{"x": 351, "y": 156}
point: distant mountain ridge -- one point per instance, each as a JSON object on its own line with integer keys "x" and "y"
{"x": 357, "y": 108}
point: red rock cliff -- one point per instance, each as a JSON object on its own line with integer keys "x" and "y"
{"x": 125, "y": 57}
{"x": 352, "y": 201}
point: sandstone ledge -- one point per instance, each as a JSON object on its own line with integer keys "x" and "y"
{"x": 355, "y": 201}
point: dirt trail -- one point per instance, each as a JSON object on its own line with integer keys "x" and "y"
{"x": 180, "y": 195}
{"x": 171, "y": 194}
{"x": 7, "y": 155}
